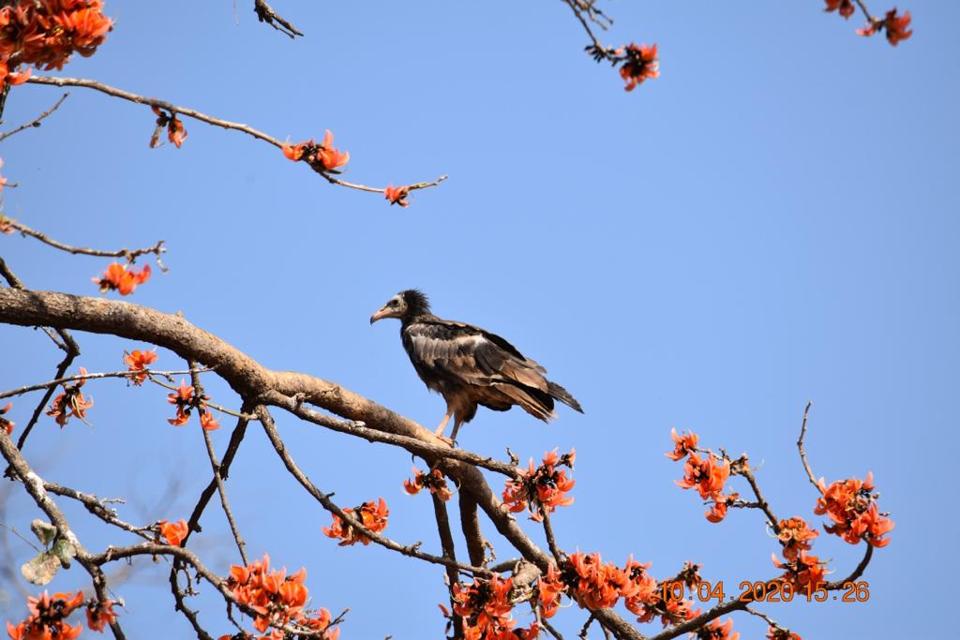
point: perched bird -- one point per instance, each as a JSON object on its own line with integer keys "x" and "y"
{"x": 470, "y": 366}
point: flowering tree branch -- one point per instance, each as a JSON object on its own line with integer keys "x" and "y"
{"x": 164, "y": 106}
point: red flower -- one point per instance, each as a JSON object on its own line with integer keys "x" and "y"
{"x": 47, "y": 619}
{"x": 118, "y": 278}
{"x": 803, "y": 570}
{"x": 6, "y": 425}
{"x": 795, "y": 536}
{"x": 707, "y": 475}
{"x": 137, "y": 362}
{"x": 45, "y": 33}
{"x": 683, "y": 444}
{"x": 329, "y": 157}
{"x": 779, "y": 633}
{"x": 176, "y": 133}
{"x": 898, "y": 27}
{"x": 71, "y": 403}
{"x": 716, "y": 630}
{"x": 184, "y": 400}
{"x": 277, "y": 598}
{"x": 844, "y": 7}
{"x": 174, "y": 532}
{"x": 550, "y": 588}
{"x": 100, "y": 614}
{"x": 433, "y": 482}
{"x": 642, "y": 590}
{"x": 641, "y": 64}
{"x": 541, "y": 489}
{"x": 485, "y": 607}
{"x": 208, "y": 422}
{"x": 852, "y": 507}
{"x": 321, "y": 157}
{"x": 596, "y": 585}
{"x": 397, "y": 195}
{"x": 718, "y": 509}
{"x": 372, "y": 515}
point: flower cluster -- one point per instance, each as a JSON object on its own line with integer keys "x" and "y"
{"x": 434, "y": 482}
{"x": 323, "y": 157}
{"x": 779, "y": 633}
{"x": 896, "y": 27}
{"x": 707, "y": 474}
{"x": 716, "y": 630}
{"x": 397, "y": 195}
{"x": 485, "y": 607}
{"x": 48, "y": 618}
{"x": 852, "y": 507}
{"x": 372, "y": 515}
{"x": 185, "y": 398}
{"x": 137, "y": 362}
{"x": 176, "y": 133}
{"x": 45, "y": 33}
{"x": 803, "y": 571}
{"x": 594, "y": 584}
{"x": 795, "y": 537}
{"x": 664, "y": 603}
{"x": 541, "y": 489}
{"x": 6, "y": 425}
{"x": 174, "y": 532}
{"x": 117, "y": 277}
{"x": 277, "y": 599}
{"x": 71, "y": 403}
{"x": 5, "y": 226}
{"x": 641, "y": 63}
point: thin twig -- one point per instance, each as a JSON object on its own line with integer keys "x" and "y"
{"x": 802, "y": 450}
{"x": 36, "y": 122}
{"x": 90, "y": 376}
{"x": 408, "y": 550}
{"x": 129, "y": 254}
{"x": 266, "y": 13}
{"x": 215, "y": 466}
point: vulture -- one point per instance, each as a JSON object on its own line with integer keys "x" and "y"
{"x": 470, "y": 366}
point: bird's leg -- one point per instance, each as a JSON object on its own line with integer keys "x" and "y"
{"x": 456, "y": 428}
{"x": 443, "y": 424}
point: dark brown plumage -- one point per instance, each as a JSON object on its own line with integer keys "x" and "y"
{"x": 470, "y": 366}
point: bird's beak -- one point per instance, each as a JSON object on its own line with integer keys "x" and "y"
{"x": 379, "y": 315}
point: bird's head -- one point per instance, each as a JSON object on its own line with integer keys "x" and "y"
{"x": 406, "y": 304}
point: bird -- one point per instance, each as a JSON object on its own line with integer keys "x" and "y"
{"x": 470, "y": 366}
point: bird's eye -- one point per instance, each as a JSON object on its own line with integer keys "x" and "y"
{"x": 392, "y": 303}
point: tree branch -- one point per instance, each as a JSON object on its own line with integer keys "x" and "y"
{"x": 208, "y": 119}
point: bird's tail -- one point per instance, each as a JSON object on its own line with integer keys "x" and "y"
{"x": 563, "y": 396}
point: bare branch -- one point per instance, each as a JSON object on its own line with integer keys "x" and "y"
{"x": 36, "y": 122}
{"x": 130, "y": 255}
{"x": 266, "y": 13}
{"x": 802, "y": 450}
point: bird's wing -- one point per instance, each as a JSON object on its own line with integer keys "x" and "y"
{"x": 470, "y": 354}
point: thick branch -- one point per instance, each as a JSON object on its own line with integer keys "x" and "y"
{"x": 249, "y": 379}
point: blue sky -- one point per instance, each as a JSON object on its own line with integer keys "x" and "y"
{"x": 774, "y": 220}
